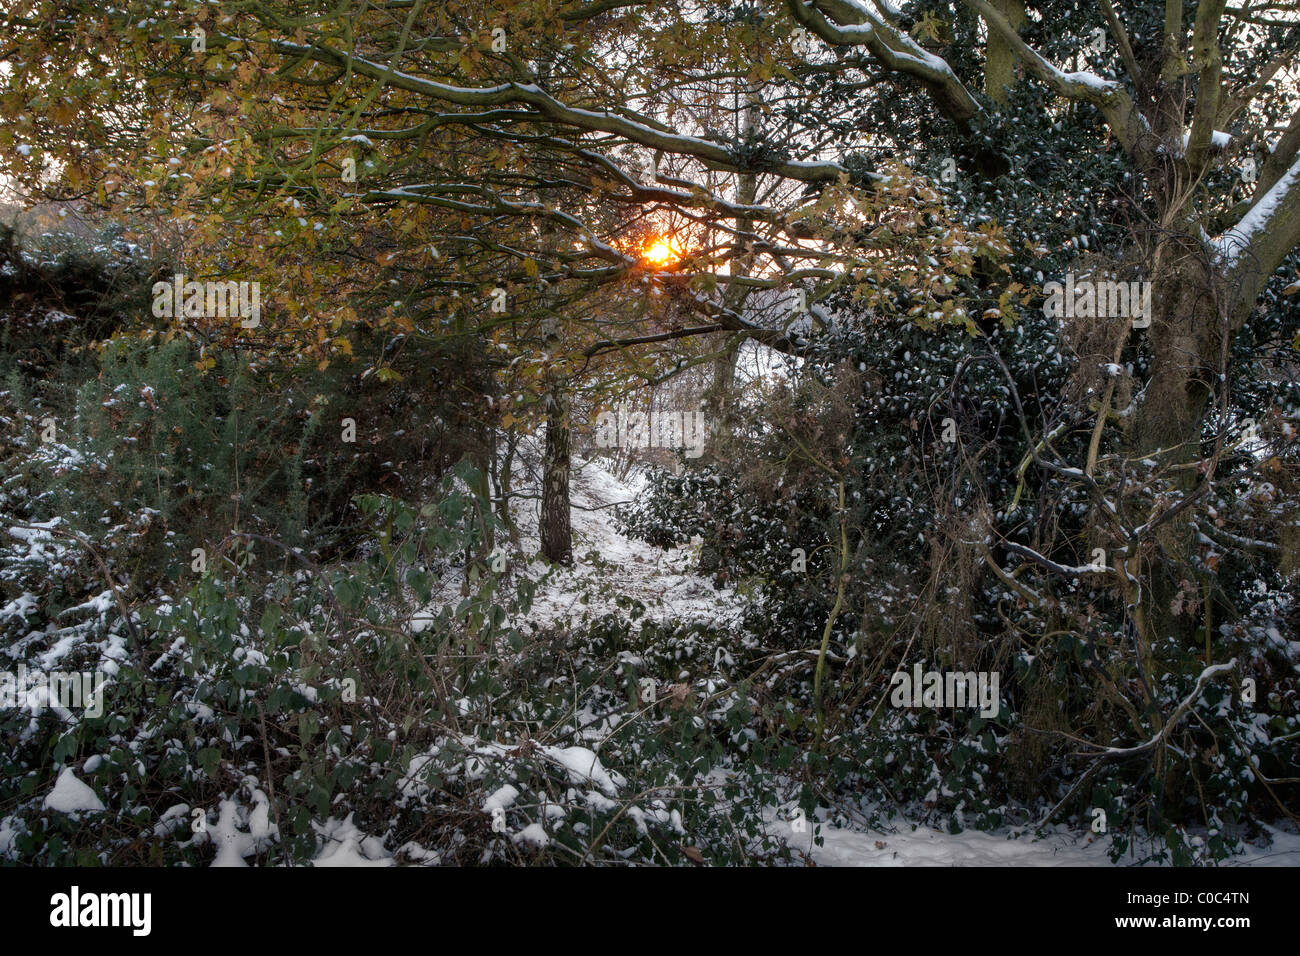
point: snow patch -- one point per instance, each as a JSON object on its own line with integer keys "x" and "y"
{"x": 71, "y": 795}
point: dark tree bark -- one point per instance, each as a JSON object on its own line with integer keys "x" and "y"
{"x": 555, "y": 530}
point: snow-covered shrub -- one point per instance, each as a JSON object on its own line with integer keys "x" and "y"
{"x": 386, "y": 709}
{"x": 919, "y": 589}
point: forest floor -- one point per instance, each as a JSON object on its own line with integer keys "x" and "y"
{"x": 608, "y": 565}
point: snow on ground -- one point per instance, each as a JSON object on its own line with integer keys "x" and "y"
{"x": 345, "y": 845}
{"x": 922, "y": 846}
{"x": 234, "y": 843}
{"x": 907, "y": 844}
{"x": 926, "y": 847}
{"x": 607, "y": 564}
{"x": 1284, "y": 851}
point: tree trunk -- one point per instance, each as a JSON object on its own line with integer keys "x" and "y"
{"x": 1186, "y": 346}
{"x": 557, "y": 539}
{"x": 999, "y": 59}
{"x": 1186, "y": 342}
{"x": 718, "y": 402}
{"x": 553, "y": 521}
{"x": 505, "y": 482}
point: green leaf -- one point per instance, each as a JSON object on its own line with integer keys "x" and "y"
{"x": 319, "y": 798}
{"x": 209, "y": 757}
{"x": 271, "y": 619}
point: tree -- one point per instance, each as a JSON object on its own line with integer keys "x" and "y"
{"x": 384, "y": 137}
{"x": 801, "y": 153}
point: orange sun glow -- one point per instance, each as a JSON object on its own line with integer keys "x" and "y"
{"x": 661, "y": 252}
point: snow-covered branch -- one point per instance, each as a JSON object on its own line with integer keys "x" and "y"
{"x": 1108, "y": 95}
{"x": 711, "y": 153}
{"x": 854, "y": 23}
{"x": 1258, "y": 243}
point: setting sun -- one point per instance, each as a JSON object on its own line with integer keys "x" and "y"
{"x": 661, "y": 252}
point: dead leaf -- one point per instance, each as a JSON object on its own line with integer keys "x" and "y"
{"x": 679, "y": 695}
